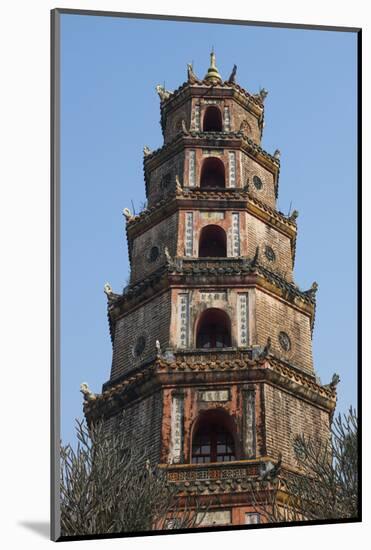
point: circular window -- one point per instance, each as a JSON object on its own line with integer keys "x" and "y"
{"x": 270, "y": 254}
{"x": 284, "y": 341}
{"x": 153, "y": 254}
{"x": 139, "y": 346}
{"x": 257, "y": 182}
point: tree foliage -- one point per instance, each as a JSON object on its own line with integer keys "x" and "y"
{"x": 108, "y": 487}
{"x": 326, "y": 486}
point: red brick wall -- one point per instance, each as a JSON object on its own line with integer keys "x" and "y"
{"x": 152, "y": 320}
{"x": 161, "y": 180}
{"x": 262, "y": 235}
{"x": 251, "y": 168}
{"x": 273, "y": 316}
{"x": 161, "y": 235}
{"x": 287, "y": 416}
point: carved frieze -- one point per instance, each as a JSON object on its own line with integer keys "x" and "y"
{"x": 188, "y": 238}
{"x": 214, "y": 395}
{"x": 249, "y": 430}
{"x": 235, "y": 234}
{"x": 176, "y": 440}
{"x": 183, "y": 319}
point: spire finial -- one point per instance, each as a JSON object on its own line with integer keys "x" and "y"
{"x": 212, "y": 74}
{"x": 212, "y": 58}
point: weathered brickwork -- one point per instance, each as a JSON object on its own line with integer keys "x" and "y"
{"x": 273, "y": 317}
{"x": 203, "y": 153}
{"x": 250, "y": 169}
{"x": 263, "y": 235}
{"x": 161, "y": 180}
{"x": 233, "y": 222}
{"x": 217, "y": 345}
{"x": 199, "y": 400}
{"x": 150, "y": 321}
{"x": 141, "y": 421}
{"x": 148, "y": 250}
{"x": 173, "y": 124}
{"x": 287, "y": 416}
{"x": 237, "y": 115}
{"x": 201, "y": 299}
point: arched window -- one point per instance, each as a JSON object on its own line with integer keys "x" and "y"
{"x": 213, "y": 440}
{"x": 212, "y": 173}
{"x": 213, "y": 242}
{"x": 212, "y": 119}
{"x": 213, "y": 329}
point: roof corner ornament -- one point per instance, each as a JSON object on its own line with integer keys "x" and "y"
{"x": 334, "y": 382}
{"x": 146, "y": 151}
{"x": 169, "y": 260}
{"x": 111, "y": 296}
{"x": 263, "y": 94}
{"x": 254, "y": 261}
{"x": 87, "y": 393}
{"x": 167, "y": 254}
{"x": 108, "y": 290}
{"x": 164, "y": 94}
{"x": 277, "y": 154}
{"x": 269, "y": 471}
{"x": 266, "y": 350}
{"x": 192, "y": 78}
{"x": 232, "y": 76}
{"x": 294, "y": 215}
{"x": 184, "y": 127}
{"x": 178, "y": 185}
{"x": 158, "y": 348}
{"x": 128, "y": 215}
{"x": 312, "y": 291}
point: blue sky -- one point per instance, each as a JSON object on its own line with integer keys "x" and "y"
{"x": 110, "y": 110}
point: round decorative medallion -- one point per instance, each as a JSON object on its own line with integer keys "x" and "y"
{"x": 257, "y": 182}
{"x": 139, "y": 346}
{"x": 270, "y": 254}
{"x": 153, "y": 254}
{"x": 284, "y": 341}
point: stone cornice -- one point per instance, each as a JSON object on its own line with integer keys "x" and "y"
{"x": 225, "y": 89}
{"x": 198, "y": 198}
{"x": 220, "y": 478}
{"x": 211, "y": 139}
{"x": 184, "y": 369}
{"x": 230, "y": 272}
{"x": 202, "y": 139}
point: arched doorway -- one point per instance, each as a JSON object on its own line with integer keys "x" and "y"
{"x": 213, "y": 329}
{"x": 213, "y": 438}
{"x": 212, "y": 173}
{"x": 212, "y": 242}
{"x": 212, "y": 119}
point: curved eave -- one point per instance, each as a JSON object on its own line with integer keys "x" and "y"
{"x": 183, "y": 370}
{"x": 191, "y": 273}
{"x": 211, "y": 139}
{"x": 203, "y": 87}
{"x": 193, "y": 197}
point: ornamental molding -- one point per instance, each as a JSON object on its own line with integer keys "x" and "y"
{"x": 222, "y": 91}
{"x": 187, "y": 367}
{"x": 209, "y": 140}
{"x": 191, "y": 197}
{"x": 236, "y": 272}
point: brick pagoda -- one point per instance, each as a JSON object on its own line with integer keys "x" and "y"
{"x": 212, "y": 339}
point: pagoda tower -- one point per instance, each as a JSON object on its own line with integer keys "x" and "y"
{"x": 212, "y": 339}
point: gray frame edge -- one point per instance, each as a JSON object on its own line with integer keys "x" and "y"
{"x": 55, "y": 273}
